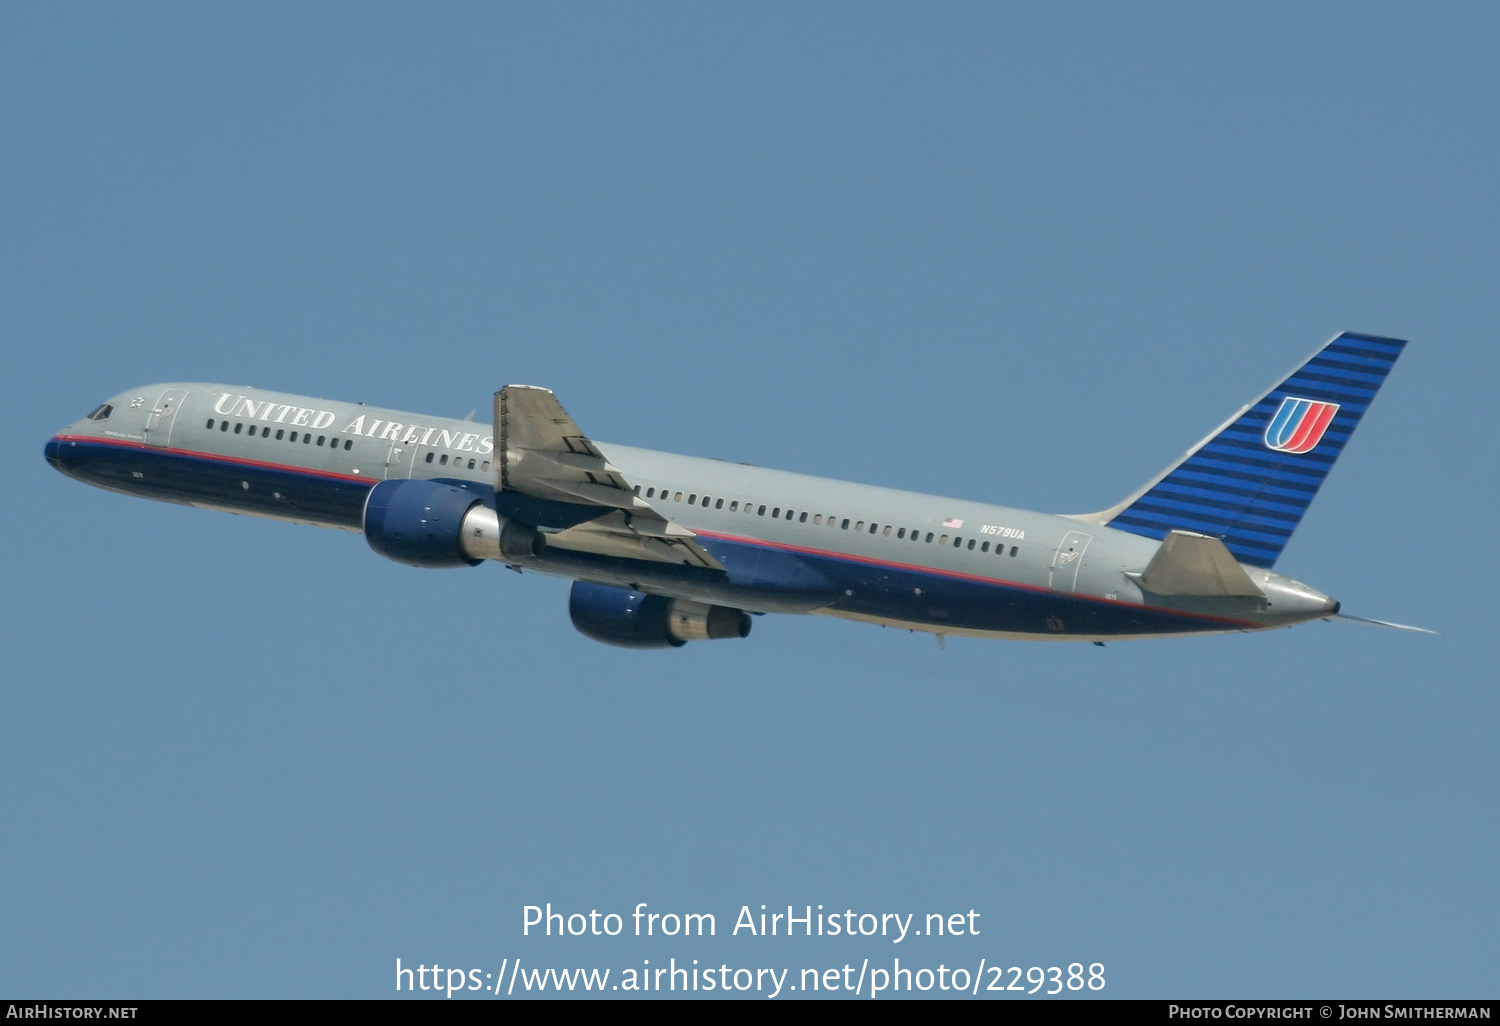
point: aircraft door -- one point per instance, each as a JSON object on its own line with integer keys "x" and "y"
{"x": 398, "y": 462}
{"x": 158, "y": 430}
{"x": 1063, "y": 575}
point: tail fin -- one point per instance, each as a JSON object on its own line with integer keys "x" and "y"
{"x": 1252, "y": 479}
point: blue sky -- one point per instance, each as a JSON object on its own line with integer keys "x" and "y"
{"x": 1019, "y": 254}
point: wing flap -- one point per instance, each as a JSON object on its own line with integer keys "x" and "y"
{"x": 590, "y": 492}
{"x": 609, "y": 536}
{"x": 541, "y": 452}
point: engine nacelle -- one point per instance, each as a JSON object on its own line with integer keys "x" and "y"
{"x": 633, "y": 619}
{"x": 431, "y": 524}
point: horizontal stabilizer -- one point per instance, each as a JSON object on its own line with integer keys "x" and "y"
{"x": 1344, "y": 618}
{"x": 1196, "y": 564}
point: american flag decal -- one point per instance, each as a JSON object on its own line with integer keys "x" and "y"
{"x": 953, "y": 522}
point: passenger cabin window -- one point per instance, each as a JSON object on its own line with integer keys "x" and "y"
{"x": 430, "y": 456}
{"x": 734, "y": 506}
{"x": 224, "y": 426}
{"x": 238, "y": 428}
{"x": 103, "y": 412}
{"x": 718, "y": 504}
{"x": 1013, "y": 550}
{"x": 802, "y": 518}
{"x": 210, "y": 423}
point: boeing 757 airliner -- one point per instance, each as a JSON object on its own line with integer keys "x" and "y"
{"x": 665, "y": 549}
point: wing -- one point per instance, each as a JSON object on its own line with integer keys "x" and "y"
{"x": 541, "y": 452}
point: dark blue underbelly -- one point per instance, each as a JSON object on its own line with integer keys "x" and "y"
{"x": 936, "y": 600}
{"x": 179, "y": 477}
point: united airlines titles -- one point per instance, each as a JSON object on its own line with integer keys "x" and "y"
{"x": 231, "y": 405}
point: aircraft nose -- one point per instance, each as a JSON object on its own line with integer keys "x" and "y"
{"x": 54, "y": 452}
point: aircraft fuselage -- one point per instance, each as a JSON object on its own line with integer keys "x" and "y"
{"x": 787, "y": 542}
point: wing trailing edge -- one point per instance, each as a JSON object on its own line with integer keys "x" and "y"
{"x": 542, "y": 453}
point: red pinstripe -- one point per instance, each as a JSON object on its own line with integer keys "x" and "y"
{"x": 238, "y": 461}
{"x": 977, "y": 578}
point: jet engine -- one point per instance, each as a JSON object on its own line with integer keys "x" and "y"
{"x": 633, "y": 619}
{"x": 428, "y": 523}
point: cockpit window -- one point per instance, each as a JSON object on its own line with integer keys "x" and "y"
{"x": 102, "y": 413}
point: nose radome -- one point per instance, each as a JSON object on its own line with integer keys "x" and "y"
{"x": 53, "y": 451}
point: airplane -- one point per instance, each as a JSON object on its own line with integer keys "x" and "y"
{"x": 664, "y": 549}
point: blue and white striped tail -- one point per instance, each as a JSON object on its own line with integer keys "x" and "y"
{"x": 1250, "y": 481}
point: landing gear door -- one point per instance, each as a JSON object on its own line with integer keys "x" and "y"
{"x": 159, "y": 421}
{"x": 1063, "y": 575}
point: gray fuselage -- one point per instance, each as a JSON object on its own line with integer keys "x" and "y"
{"x": 788, "y": 542}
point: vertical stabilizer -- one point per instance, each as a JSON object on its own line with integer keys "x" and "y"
{"x": 1250, "y": 481}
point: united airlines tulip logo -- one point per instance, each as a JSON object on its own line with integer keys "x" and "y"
{"x": 1299, "y": 424}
